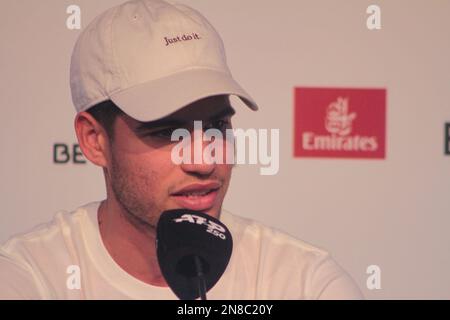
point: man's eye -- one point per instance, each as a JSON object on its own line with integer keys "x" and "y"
{"x": 164, "y": 133}
{"x": 221, "y": 124}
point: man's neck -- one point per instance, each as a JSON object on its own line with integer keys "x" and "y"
{"x": 130, "y": 244}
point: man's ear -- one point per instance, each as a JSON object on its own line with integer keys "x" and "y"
{"x": 92, "y": 138}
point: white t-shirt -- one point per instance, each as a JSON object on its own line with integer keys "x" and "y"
{"x": 265, "y": 264}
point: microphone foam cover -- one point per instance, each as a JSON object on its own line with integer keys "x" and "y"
{"x": 183, "y": 234}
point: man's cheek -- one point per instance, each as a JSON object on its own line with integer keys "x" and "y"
{"x": 226, "y": 169}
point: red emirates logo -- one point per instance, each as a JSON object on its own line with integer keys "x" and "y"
{"x": 340, "y": 123}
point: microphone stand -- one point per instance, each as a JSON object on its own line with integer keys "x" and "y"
{"x": 201, "y": 278}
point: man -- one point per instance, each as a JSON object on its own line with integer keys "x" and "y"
{"x": 139, "y": 72}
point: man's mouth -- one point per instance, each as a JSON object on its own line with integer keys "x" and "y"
{"x": 197, "y": 197}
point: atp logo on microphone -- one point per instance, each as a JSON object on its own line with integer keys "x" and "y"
{"x": 340, "y": 123}
{"x": 211, "y": 227}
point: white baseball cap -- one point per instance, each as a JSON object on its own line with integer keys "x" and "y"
{"x": 151, "y": 58}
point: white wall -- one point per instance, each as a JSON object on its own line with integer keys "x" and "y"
{"x": 393, "y": 212}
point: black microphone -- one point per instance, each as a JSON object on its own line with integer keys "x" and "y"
{"x": 193, "y": 251}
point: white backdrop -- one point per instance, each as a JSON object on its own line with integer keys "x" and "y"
{"x": 394, "y": 213}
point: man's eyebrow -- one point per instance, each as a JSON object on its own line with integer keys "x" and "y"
{"x": 179, "y": 123}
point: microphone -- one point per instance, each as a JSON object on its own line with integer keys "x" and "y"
{"x": 193, "y": 251}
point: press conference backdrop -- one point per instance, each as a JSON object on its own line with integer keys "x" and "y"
{"x": 316, "y": 70}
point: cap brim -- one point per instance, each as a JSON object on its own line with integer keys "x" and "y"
{"x": 156, "y": 99}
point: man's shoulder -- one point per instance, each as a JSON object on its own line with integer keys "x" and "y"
{"x": 285, "y": 266}
{"x": 45, "y": 235}
{"x": 254, "y": 232}
{"x": 33, "y": 264}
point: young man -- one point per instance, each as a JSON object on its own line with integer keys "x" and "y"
{"x": 140, "y": 71}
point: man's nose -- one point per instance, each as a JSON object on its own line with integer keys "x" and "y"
{"x": 201, "y": 162}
